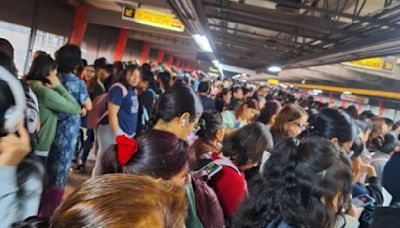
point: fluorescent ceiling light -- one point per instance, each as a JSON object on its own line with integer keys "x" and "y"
{"x": 274, "y": 69}
{"x": 347, "y": 92}
{"x": 218, "y": 65}
{"x": 203, "y": 42}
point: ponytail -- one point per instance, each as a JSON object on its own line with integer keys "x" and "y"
{"x": 109, "y": 161}
{"x": 285, "y": 186}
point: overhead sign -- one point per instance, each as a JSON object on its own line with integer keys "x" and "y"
{"x": 372, "y": 63}
{"x": 273, "y": 81}
{"x": 153, "y": 18}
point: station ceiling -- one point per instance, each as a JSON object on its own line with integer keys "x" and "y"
{"x": 294, "y": 33}
{"x": 305, "y": 37}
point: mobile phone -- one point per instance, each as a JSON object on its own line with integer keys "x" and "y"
{"x": 363, "y": 200}
{"x": 211, "y": 169}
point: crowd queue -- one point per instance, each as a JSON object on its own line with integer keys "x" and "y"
{"x": 173, "y": 150}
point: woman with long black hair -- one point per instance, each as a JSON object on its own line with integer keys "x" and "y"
{"x": 304, "y": 184}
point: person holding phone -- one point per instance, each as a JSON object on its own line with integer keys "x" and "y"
{"x": 369, "y": 195}
{"x": 21, "y": 177}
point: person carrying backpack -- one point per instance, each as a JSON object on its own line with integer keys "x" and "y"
{"x": 122, "y": 113}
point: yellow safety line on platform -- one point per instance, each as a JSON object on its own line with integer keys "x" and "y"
{"x": 365, "y": 92}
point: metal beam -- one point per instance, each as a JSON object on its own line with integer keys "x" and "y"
{"x": 254, "y": 37}
{"x": 331, "y": 12}
{"x": 247, "y": 20}
{"x": 247, "y": 52}
{"x": 305, "y": 22}
{"x": 250, "y": 43}
{"x": 381, "y": 44}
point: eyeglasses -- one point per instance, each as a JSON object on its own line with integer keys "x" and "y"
{"x": 301, "y": 126}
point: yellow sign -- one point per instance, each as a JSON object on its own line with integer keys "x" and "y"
{"x": 372, "y": 63}
{"x": 153, "y": 18}
{"x": 273, "y": 81}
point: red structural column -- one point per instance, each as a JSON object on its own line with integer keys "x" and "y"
{"x": 178, "y": 63}
{"x": 330, "y": 98}
{"x": 121, "y": 44}
{"x": 79, "y": 24}
{"x": 145, "y": 52}
{"x": 344, "y": 103}
{"x": 381, "y": 108}
{"x": 170, "y": 60}
{"x": 321, "y": 98}
{"x": 160, "y": 56}
{"x": 184, "y": 66}
{"x": 359, "y": 107}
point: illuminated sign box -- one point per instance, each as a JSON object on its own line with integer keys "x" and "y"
{"x": 153, "y": 18}
{"x": 372, "y": 64}
{"x": 273, "y": 81}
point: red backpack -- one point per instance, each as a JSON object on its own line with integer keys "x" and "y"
{"x": 100, "y": 109}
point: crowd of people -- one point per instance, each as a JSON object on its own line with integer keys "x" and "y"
{"x": 185, "y": 150}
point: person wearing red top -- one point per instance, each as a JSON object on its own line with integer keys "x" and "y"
{"x": 230, "y": 186}
{"x": 242, "y": 151}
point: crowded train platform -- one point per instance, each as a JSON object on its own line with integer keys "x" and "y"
{"x": 199, "y": 114}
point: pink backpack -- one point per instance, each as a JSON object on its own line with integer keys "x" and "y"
{"x": 100, "y": 109}
{"x": 208, "y": 208}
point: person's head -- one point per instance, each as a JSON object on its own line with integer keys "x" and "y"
{"x": 387, "y": 124}
{"x": 103, "y": 70}
{"x": 247, "y": 92}
{"x": 130, "y": 77}
{"x": 352, "y": 111}
{"x": 6, "y": 102}
{"x": 304, "y": 183}
{"x": 246, "y": 145}
{"x": 123, "y": 200}
{"x": 387, "y": 143}
{"x": 164, "y": 79}
{"x": 146, "y": 81}
{"x": 269, "y": 112}
{"x": 41, "y": 69}
{"x": 211, "y": 126}
{"x": 335, "y": 125}
{"x": 364, "y": 128}
{"x": 7, "y": 48}
{"x": 380, "y": 126}
{"x": 261, "y": 103}
{"x": 68, "y": 58}
{"x": 146, "y": 68}
{"x": 262, "y": 91}
{"x": 38, "y": 53}
{"x": 8, "y": 64}
{"x": 118, "y": 67}
{"x": 367, "y": 114}
{"x": 226, "y": 95}
{"x": 356, "y": 161}
{"x": 204, "y": 88}
{"x": 88, "y": 73}
{"x": 155, "y": 153}
{"x": 237, "y": 92}
{"x": 210, "y": 134}
{"x": 290, "y": 121}
{"x": 247, "y": 110}
{"x": 178, "y": 110}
